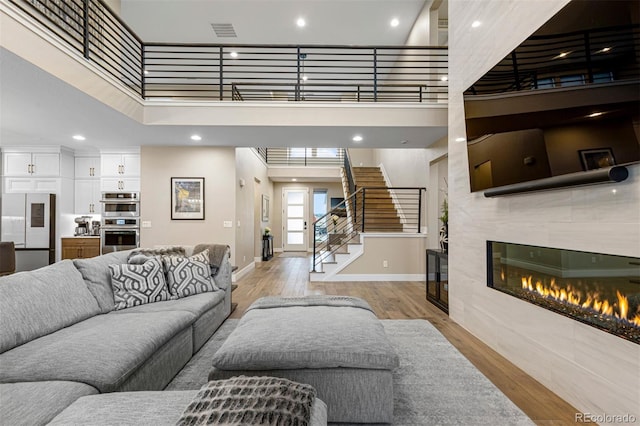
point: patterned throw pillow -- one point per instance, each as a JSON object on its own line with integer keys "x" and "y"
{"x": 187, "y": 276}
{"x": 135, "y": 285}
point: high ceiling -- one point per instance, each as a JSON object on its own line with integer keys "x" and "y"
{"x": 350, "y": 22}
{"x": 37, "y": 108}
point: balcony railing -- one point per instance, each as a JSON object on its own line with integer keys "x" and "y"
{"x": 599, "y": 55}
{"x": 243, "y": 72}
{"x": 302, "y": 156}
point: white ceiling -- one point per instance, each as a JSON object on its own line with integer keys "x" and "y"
{"x": 39, "y": 109}
{"x": 343, "y": 22}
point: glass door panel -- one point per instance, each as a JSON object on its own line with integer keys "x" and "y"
{"x": 295, "y": 219}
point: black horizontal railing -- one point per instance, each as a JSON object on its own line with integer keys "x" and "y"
{"x": 95, "y": 32}
{"x": 243, "y": 72}
{"x": 369, "y": 209}
{"x": 295, "y": 73}
{"x": 302, "y": 156}
{"x": 561, "y": 60}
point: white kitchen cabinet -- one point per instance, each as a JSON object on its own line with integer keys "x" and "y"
{"x": 87, "y": 197}
{"x": 87, "y": 167}
{"x": 120, "y": 165}
{"x": 31, "y": 164}
{"x": 17, "y": 184}
{"x": 119, "y": 184}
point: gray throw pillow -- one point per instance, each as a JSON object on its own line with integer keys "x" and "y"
{"x": 187, "y": 276}
{"x": 135, "y": 285}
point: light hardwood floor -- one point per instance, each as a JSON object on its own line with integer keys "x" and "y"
{"x": 289, "y": 276}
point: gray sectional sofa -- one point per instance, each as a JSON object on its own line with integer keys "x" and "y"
{"x": 61, "y": 339}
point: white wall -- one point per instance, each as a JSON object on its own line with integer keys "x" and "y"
{"x": 217, "y": 165}
{"x": 591, "y": 369}
{"x": 412, "y": 168}
{"x": 249, "y": 225}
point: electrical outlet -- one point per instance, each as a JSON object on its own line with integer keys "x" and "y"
{"x": 146, "y": 224}
{"x": 385, "y": 264}
{"x": 227, "y": 224}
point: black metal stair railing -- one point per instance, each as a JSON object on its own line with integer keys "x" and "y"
{"x": 368, "y": 209}
{"x": 243, "y": 72}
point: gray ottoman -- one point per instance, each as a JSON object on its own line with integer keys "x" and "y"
{"x": 336, "y": 344}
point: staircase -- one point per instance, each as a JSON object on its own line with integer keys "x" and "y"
{"x": 370, "y": 207}
{"x": 380, "y": 213}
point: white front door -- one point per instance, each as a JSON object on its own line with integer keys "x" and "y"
{"x": 294, "y": 219}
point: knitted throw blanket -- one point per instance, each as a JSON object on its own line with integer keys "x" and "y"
{"x": 320, "y": 300}
{"x": 250, "y": 401}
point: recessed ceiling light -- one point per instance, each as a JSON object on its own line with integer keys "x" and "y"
{"x": 301, "y": 22}
{"x": 395, "y": 22}
{"x": 79, "y": 137}
{"x": 461, "y": 139}
{"x": 357, "y": 138}
{"x": 476, "y": 24}
{"x": 562, "y": 55}
{"x": 444, "y": 78}
{"x": 294, "y": 180}
{"x": 233, "y": 54}
{"x": 604, "y": 50}
{"x": 196, "y": 137}
{"x": 595, "y": 114}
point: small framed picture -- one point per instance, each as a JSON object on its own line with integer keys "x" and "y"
{"x": 187, "y": 198}
{"x": 265, "y": 208}
{"x": 597, "y": 158}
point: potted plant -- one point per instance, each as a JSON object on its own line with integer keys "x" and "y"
{"x": 267, "y": 231}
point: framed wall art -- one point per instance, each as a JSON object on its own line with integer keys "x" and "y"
{"x": 265, "y": 208}
{"x": 187, "y": 198}
{"x": 597, "y": 158}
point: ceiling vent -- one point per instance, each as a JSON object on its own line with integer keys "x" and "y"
{"x": 224, "y": 30}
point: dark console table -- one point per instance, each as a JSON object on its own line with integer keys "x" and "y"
{"x": 438, "y": 278}
{"x": 267, "y": 247}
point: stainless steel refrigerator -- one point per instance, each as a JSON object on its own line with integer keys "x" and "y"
{"x": 29, "y": 220}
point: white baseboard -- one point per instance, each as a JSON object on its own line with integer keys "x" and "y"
{"x": 376, "y": 277}
{"x": 242, "y": 272}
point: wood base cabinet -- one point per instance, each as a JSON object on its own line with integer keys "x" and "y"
{"x": 438, "y": 278}
{"x": 80, "y": 247}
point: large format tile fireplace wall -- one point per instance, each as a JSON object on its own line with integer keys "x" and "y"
{"x": 593, "y": 370}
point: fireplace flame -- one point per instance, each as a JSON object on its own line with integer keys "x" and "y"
{"x": 592, "y": 301}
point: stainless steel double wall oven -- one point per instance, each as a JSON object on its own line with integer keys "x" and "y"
{"x": 120, "y": 221}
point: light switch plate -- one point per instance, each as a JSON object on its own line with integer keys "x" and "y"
{"x": 228, "y": 224}
{"x": 146, "y": 224}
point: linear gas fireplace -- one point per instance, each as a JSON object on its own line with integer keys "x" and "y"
{"x": 601, "y": 290}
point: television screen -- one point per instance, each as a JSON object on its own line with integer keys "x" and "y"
{"x": 565, "y": 100}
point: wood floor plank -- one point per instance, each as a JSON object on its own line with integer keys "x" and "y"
{"x": 289, "y": 276}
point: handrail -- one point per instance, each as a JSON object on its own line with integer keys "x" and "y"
{"x": 375, "y": 209}
{"x": 348, "y": 170}
{"x": 237, "y": 72}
